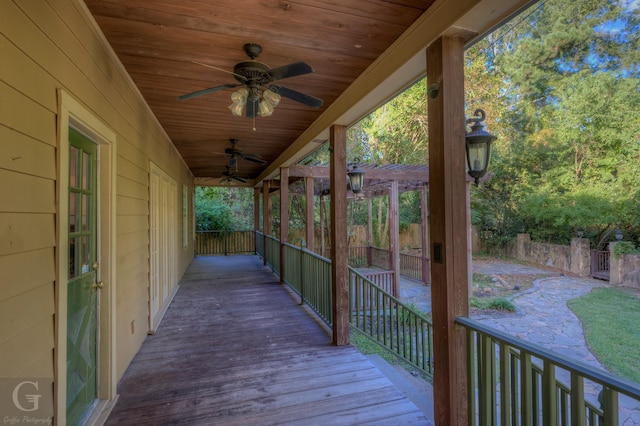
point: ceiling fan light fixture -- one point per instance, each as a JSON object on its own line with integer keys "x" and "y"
{"x": 265, "y": 109}
{"x": 236, "y": 109}
{"x": 272, "y": 97}
{"x": 240, "y": 96}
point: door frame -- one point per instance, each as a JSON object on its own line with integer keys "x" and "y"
{"x": 72, "y": 113}
{"x": 164, "y": 212}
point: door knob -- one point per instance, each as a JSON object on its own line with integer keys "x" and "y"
{"x": 98, "y": 285}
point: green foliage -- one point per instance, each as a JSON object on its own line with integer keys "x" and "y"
{"x": 212, "y": 216}
{"x": 224, "y": 209}
{"x": 497, "y": 303}
{"x": 561, "y": 88}
{"x": 566, "y": 117}
{"x": 609, "y": 319}
{"x": 625, "y": 247}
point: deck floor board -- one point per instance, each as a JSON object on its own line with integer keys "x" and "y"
{"x": 234, "y": 348}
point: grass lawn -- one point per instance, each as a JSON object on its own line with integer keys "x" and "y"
{"x": 610, "y": 322}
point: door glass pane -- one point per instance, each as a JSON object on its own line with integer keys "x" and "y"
{"x": 73, "y": 167}
{"x": 85, "y": 212}
{"x": 86, "y": 169}
{"x": 86, "y": 255}
{"x": 74, "y": 251}
{"x": 72, "y": 212}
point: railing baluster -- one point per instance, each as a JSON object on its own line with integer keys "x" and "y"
{"x": 526, "y": 390}
{"x": 549, "y": 395}
{"x": 610, "y": 406}
{"x": 515, "y": 402}
{"x": 472, "y": 370}
{"x": 486, "y": 381}
{"x": 505, "y": 383}
{"x": 577, "y": 399}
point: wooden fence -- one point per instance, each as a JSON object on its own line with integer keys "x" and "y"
{"x": 225, "y": 242}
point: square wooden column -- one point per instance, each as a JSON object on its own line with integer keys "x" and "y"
{"x": 448, "y": 226}
{"x": 369, "y": 231}
{"x": 394, "y": 236}
{"x": 256, "y": 209}
{"x": 256, "y": 216}
{"x": 266, "y": 216}
{"x": 339, "y": 249}
{"x": 424, "y": 228}
{"x": 284, "y": 216}
{"x": 310, "y": 213}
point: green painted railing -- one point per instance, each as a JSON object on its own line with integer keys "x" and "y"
{"x": 260, "y": 244}
{"x": 391, "y": 323}
{"x": 225, "y": 242}
{"x": 373, "y": 311}
{"x": 513, "y": 382}
{"x": 272, "y": 253}
{"x": 309, "y": 275}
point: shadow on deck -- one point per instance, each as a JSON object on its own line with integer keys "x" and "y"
{"x": 234, "y": 348}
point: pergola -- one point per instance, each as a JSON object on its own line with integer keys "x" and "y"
{"x": 387, "y": 180}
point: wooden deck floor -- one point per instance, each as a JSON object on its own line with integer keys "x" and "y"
{"x": 234, "y": 348}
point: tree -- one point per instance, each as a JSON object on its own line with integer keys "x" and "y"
{"x": 569, "y": 148}
{"x": 224, "y": 208}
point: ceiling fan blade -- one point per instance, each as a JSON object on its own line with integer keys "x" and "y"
{"x": 220, "y": 69}
{"x": 291, "y": 70}
{"x": 294, "y": 95}
{"x": 209, "y": 90}
{"x": 255, "y": 158}
{"x": 238, "y": 178}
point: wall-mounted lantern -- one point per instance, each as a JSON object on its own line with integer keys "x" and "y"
{"x": 580, "y": 231}
{"x": 619, "y": 235}
{"x": 356, "y": 177}
{"x": 478, "y": 146}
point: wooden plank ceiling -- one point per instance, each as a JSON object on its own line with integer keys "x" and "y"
{"x": 159, "y": 43}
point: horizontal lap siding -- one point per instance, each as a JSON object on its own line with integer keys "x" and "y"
{"x": 49, "y": 45}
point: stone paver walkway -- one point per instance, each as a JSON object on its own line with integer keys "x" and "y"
{"x": 542, "y": 318}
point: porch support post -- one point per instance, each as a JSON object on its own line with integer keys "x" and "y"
{"x": 256, "y": 216}
{"x": 369, "y": 231}
{"x": 339, "y": 249}
{"x": 322, "y": 220}
{"x": 448, "y": 226}
{"x": 266, "y": 216}
{"x": 310, "y": 213}
{"x": 284, "y": 216}
{"x": 394, "y": 237}
{"x": 424, "y": 228}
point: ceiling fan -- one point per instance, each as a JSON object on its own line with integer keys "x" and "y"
{"x": 257, "y": 92}
{"x": 230, "y": 176}
{"x": 235, "y": 153}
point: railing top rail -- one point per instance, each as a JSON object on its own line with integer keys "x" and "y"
{"x": 224, "y": 230}
{"x": 410, "y": 255}
{"x": 306, "y": 251}
{"x": 619, "y": 384}
{"x": 366, "y": 274}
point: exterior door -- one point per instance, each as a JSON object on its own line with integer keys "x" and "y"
{"x": 82, "y": 306}
{"x": 162, "y": 241}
